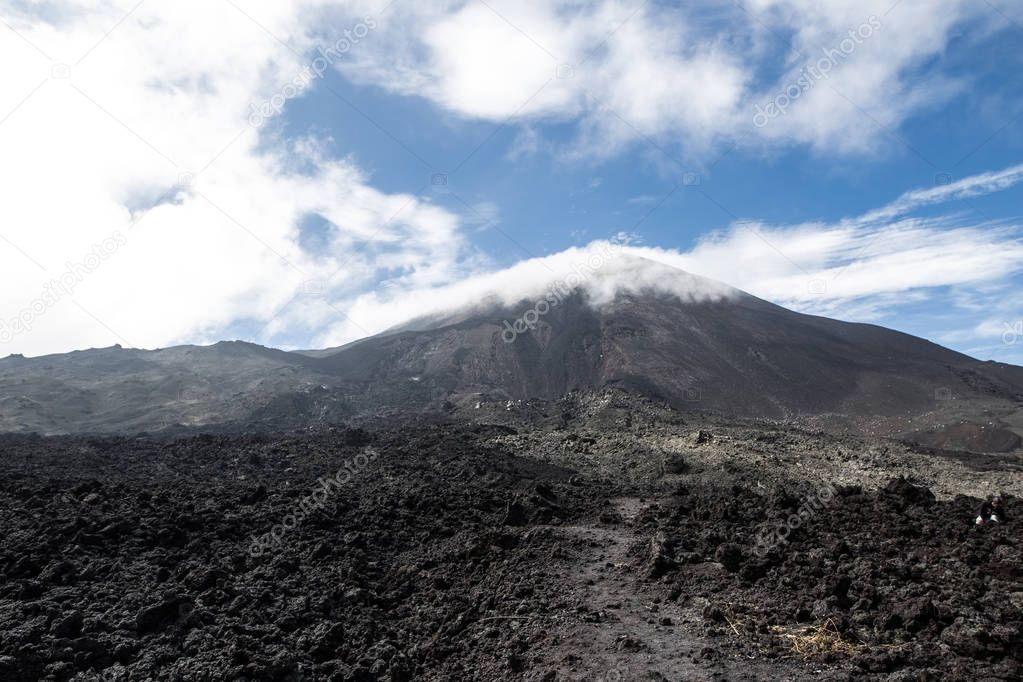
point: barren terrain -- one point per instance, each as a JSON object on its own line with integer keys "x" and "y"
{"x": 601, "y": 537}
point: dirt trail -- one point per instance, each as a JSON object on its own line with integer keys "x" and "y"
{"x": 626, "y": 630}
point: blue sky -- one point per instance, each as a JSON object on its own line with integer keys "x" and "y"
{"x": 442, "y": 145}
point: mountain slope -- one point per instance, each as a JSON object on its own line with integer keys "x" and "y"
{"x": 720, "y": 351}
{"x": 117, "y": 389}
{"x": 739, "y": 356}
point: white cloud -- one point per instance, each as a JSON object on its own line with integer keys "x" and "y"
{"x": 627, "y": 69}
{"x": 116, "y": 106}
{"x": 602, "y": 269}
{"x": 860, "y": 64}
{"x": 616, "y": 65}
{"x": 949, "y": 190}
{"x": 828, "y": 269}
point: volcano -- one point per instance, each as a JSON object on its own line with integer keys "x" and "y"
{"x": 650, "y": 329}
{"x": 725, "y": 352}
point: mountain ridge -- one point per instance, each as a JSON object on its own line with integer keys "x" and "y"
{"x": 731, "y": 354}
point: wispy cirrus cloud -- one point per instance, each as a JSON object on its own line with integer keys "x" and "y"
{"x": 867, "y": 267}
{"x": 948, "y": 190}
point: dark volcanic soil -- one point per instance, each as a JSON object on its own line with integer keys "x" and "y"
{"x": 444, "y": 555}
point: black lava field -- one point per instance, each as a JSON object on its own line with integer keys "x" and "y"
{"x": 440, "y": 553}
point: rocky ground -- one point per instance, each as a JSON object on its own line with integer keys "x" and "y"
{"x": 594, "y": 538}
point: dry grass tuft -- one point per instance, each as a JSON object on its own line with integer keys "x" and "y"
{"x": 811, "y": 642}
